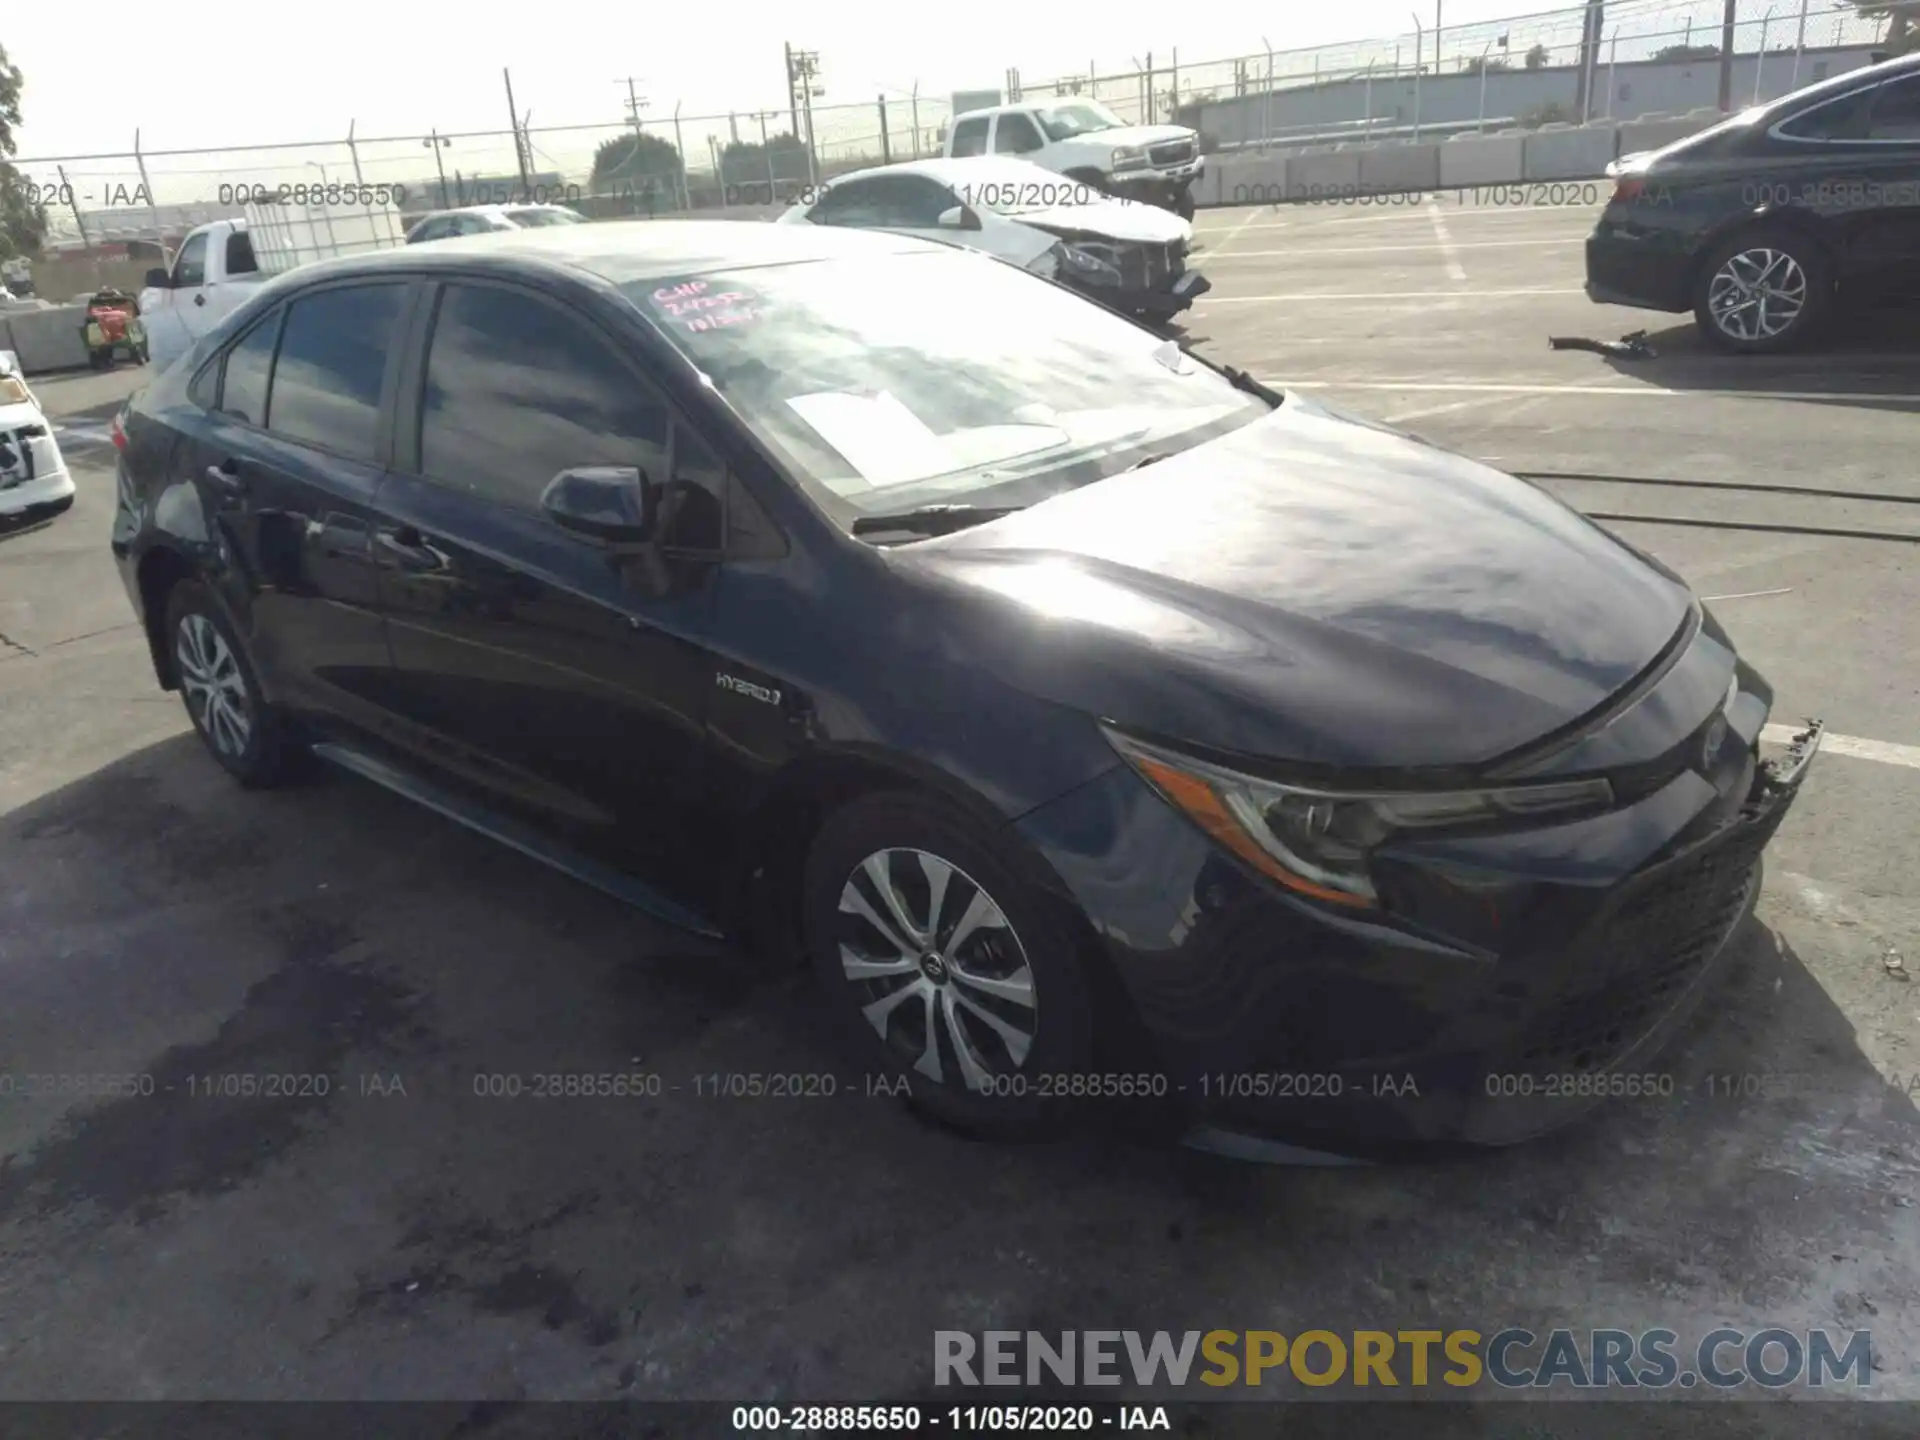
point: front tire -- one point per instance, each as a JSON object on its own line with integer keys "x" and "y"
{"x": 1765, "y": 291}
{"x": 221, "y": 691}
{"x": 946, "y": 971}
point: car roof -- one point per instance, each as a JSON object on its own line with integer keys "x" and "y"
{"x": 621, "y": 251}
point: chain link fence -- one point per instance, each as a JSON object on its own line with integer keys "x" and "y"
{"x": 751, "y": 160}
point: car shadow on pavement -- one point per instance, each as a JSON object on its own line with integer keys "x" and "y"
{"x": 1869, "y": 360}
{"x": 410, "y": 1198}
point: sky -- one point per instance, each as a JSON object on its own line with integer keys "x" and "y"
{"x": 402, "y": 67}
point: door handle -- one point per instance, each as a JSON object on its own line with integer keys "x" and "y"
{"x": 406, "y": 548}
{"x": 226, "y": 478}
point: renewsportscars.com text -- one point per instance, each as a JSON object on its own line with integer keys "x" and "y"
{"x": 1512, "y": 1358}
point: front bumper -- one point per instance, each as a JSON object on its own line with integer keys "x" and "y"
{"x": 1159, "y": 303}
{"x": 1159, "y": 177}
{"x": 32, "y": 471}
{"x": 1570, "y": 957}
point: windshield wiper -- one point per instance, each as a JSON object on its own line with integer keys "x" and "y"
{"x": 932, "y": 519}
{"x": 1241, "y": 380}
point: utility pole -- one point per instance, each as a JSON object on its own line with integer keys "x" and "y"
{"x": 635, "y": 102}
{"x": 519, "y": 150}
{"x": 803, "y": 69}
{"x": 438, "y": 142}
{"x": 793, "y": 97}
{"x": 1727, "y": 24}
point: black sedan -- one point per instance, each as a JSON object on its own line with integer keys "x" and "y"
{"x": 1762, "y": 223}
{"x": 1114, "y": 735}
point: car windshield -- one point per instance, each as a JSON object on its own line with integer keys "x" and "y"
{"x": 914, "y": 379}
{"x": 1079, "y": 117}
{"x": 537, "y": 217}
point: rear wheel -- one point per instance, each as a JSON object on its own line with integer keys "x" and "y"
{"x": 944, "y": 969}
{"x": 221, "y": 691}
{"x": 1766, "y": 290}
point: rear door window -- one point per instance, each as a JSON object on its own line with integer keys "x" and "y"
{"x": 1842, "y": 119}
{"x": 240, "y": 259}
{"x": 970, "y": 137}
{"x": 333, "y": 359}
{"x": 1896, "y": 111}
{"x": 243, "y": 387}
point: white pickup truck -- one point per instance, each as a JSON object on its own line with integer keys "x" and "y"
{"x": 220, "y": 264}
{"x": 1086, "y": 141}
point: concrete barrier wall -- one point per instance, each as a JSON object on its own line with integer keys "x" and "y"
{"x": 1393, "y": 168}
{"x": 1569, "y": 154}
{"x": 1508, "y": 158}
{"x": 1481, "y": 160}
{"x": 1655, "y": 134}
{"x": 1323, "y": 176}
{"x": 1254, "y": 180}
{"x": 46, "y": 339}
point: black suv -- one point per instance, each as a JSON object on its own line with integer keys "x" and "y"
{"x": 1760, "y": 223}
{"x": 1109, "y": 729}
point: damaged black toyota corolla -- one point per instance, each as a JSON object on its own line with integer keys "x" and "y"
{"x": 1115, "y": 735}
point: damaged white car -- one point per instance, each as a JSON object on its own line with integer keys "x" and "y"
{"x": 1129, "y": 256}
{"x": 34, "y": 479}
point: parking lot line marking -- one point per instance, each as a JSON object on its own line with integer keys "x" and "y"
{"x": 1415, "y": 387}
{"x": 1234, "y": 234}
{"x": 1306, "y": 249}
{"x": 1447, "y": 409}
{"x": 1747, "y": 595}
{"x": 1425, "y": 296}
{"x": 1884, "y": 751}
{"x": 1455, "y": 271}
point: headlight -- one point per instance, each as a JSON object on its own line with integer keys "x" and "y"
{"x": 14, "y": 391}
{"x": 1318, "y": 842}
{"x": 1087, "y": 265}
{"x": 1129, "y": 157}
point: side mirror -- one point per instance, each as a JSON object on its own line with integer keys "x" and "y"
{"x": 158, "y": 279}
{"x": 960, "y": 217}
{"x": 610, "y": 503}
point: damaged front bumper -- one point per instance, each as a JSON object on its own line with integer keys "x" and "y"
{"x": 1159, "y": 303}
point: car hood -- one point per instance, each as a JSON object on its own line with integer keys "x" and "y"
{"x": 1138, "y": 135}
{"x": 1124, "y": 220}
{"x": 1310, "y": 589}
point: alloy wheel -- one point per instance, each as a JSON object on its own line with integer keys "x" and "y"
{"x": 215, "y": 691}
{"x": 936, "y": 968}
{"x": 1757, "y": 294}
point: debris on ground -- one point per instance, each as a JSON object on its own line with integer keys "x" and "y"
{"x": 1632, "y": 346}
{"x": 1896, "y": 967}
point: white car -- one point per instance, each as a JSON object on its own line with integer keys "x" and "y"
{"x": 1129, "y": 256}
{"x": 486, "y": 219}
{"x": 33, "y": 477}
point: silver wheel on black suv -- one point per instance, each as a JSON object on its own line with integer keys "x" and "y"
{"x": 936, "y": 969}
{"x": 1763, "y": 291}
{"x": 944, "y": 966}
{"x": 218, "y": 685}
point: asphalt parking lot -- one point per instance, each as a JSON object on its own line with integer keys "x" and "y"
{"x": 401, "y": 1236}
